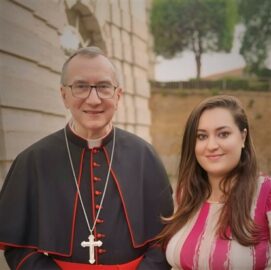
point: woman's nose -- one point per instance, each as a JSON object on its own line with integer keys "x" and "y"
{"x": 212, "y": 143}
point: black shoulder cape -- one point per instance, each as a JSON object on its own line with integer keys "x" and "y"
{"x": 39, "y": 193}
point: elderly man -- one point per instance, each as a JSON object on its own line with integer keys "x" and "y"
{"x": 89, "y": 196}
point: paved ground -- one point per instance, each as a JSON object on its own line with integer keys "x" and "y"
{"x": 3, "y": 265}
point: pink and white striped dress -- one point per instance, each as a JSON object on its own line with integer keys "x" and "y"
{"x": 195, "y": 246}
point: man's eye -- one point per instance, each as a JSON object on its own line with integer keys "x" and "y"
{"x": 104, "y": 86}
{"x": 82, "y": 86}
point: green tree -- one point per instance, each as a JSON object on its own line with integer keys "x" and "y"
{"x": 256, "y": 16}
{"x": 197, "y": 25}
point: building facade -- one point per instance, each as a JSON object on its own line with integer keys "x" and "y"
{"x": 35, "y": 39}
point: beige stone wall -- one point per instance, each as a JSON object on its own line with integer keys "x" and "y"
{"x": 170, "y": 110}
{"x": 30, "y": 62}
{"x": 31, "y": 58}
{"x": 126, "y": 34}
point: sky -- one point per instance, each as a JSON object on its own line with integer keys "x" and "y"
{"x": 183, "y": 67}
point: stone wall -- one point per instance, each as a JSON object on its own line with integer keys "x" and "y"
{"x": 170, "y": 110}
{"x": 31, "y": 57}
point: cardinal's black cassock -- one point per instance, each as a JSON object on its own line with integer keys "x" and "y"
{"x": 42, "y": 223}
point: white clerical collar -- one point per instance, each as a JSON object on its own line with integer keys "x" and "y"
{"x": 97, "y": 142}
{"x": 91, "y": 142}
{"x": 94, "y": 143}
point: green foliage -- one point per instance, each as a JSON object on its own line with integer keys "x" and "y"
{"x": 263, "y": 72}
{"x": 196, "y": 25}
{"x": 256, "y": 16}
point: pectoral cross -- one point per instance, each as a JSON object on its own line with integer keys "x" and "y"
{"x": 91, "y": 244}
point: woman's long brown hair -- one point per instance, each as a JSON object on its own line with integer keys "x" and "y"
{"x": 238, "y": 186}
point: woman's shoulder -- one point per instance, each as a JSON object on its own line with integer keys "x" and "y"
{"x": 264, "y": 183}
{"x": 264, "y": 180}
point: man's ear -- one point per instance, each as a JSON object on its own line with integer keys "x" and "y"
{"x": 119, "y": 94}
{"x": 64, "y": 96}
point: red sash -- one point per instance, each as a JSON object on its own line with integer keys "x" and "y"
{"x": 80, "y": 266}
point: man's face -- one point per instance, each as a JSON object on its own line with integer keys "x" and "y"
{"x": 92, "y": 115}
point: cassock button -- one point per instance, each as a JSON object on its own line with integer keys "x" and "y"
{"x": 95, "y": 164}
{"x": 101, "y": 251}
{"x": 100, "y": 235}
{"x": 97, "y": 206}
{"x": 95, "y": 150}
{"x": 96, "y": 178}
{"x": 97, "y": 192}
{"x": 100, "y": 221}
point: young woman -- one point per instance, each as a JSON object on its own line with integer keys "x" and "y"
{"x": 223, "y": 207}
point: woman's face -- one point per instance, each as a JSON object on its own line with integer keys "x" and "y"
{"x": 219, "y": 142}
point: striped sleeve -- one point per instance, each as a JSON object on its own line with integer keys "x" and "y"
{"x": 268, "y": 211}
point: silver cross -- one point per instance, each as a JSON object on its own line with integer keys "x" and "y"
{"x": 91, "y": 244}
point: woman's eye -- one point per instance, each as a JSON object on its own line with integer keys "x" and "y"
{"x": 224, "y": 134}
{"x": 201, "y": 137}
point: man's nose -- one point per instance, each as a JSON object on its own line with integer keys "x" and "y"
{"x": 93, "y": 96}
